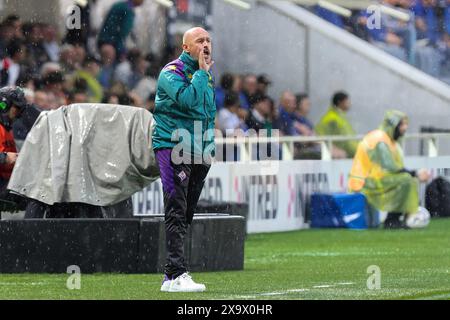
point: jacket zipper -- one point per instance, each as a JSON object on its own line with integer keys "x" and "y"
{"x": 206, "y": 112}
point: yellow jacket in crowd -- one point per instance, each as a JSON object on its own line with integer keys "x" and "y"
{"x": 335, "y": 123}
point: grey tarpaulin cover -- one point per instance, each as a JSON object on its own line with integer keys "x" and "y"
{"x": 98, "y": 154}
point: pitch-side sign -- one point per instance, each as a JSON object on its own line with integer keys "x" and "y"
{"x": 278, "y": 192}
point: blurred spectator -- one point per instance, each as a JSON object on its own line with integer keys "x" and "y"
{"x": 79, "y": 56}
{"x": 447, "y": 18}
{"x": 329, "y": 16}
{"x": 262, "y": 117}
{"x": 135, "y": 99}
{"x": 230, "y": 121}
{"x": 77, "y": 96}
{"x": 426, "y": 20}
{"x": 335, "y": 123}
{"x": 444, "y": 45}
{"x": 118, "y": 94}
{"x": 67, "y": 59}
{"x": 428, "y": 57}
{"x": 304, "y": 127}
{"x": 37, "y": 54}
{"x": 446, "y": 59}
{"x": 124, "y": 69}
{"x": 118, "y": 25}
{"x": 26, "y": 82}
{"x": 23, "y": 124}
{"x": 250, "y": 88}
{"x": 41, "y": 99}
{"x": 138, "y": 71}
{"x": 263, "y": 84}
{"x": 154, "y": 68}
{"x": 302, "y": 124}
{"x": 53, "y": 86}
{"x": 145, "y": 89}
{"x": 273, "y": 118}
{"x": 89, "y": 73}
{"x": 358, "y": 24}
{"x": 79, "y": 36}
{"x": 237, "y": 87}
{"x": 108, "y": 61}
{"x": 50, "y": 43}
{"x": 226, "y": 85}
{"x": 49, "y": 67}
{"x": 230, "y": 82}
{"x": 394, "y": 36}
{"x": 11, "y": 66}
{"x": 147, "y": 84}
{"x": 260, "y": 113}
{"x": 6, "y": 35}
{"x": 117, "y": 89}
{"x": 229, "y": 118}
{"x": 110, "y": 98}
{"x": 286, "y": 114}
{"x": 16, "y": 23}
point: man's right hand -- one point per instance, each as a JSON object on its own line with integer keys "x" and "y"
{"x": 11, "y": 157}
{"x": 203, "y": 65}
{"x": 423, "y": 175}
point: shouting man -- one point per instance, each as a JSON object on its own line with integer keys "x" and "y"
{"x": 184, "y": 110}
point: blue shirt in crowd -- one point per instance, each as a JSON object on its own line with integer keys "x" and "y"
{"x": 429, "y": 15}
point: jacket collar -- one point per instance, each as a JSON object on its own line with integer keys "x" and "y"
{"x": 187, "y": 59}
{"x": 338, "y": 111}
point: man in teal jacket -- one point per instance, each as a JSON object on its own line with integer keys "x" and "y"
{"x": 183, "y": 142}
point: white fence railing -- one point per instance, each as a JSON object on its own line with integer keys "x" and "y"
{"x": 247, "y": 145}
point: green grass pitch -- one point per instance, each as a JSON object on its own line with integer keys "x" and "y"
{"x": 307, "y": 264}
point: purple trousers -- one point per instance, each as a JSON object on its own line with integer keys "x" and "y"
{"x": 182, "y": 185}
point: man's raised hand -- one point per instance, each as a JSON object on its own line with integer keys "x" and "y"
{"x": 202, "y": 63}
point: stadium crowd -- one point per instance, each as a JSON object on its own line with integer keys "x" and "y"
{"x": 56, "y": 71}
{"x": 423, "y": 41}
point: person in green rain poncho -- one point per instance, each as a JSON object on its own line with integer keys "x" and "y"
{"x": 378, "y": 171}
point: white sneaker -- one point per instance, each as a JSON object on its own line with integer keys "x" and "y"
{"x": 184, "y": 283}
{"x": 166, "y": 284}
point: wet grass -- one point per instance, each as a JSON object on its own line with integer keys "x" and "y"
{"x": 307, "y": 264}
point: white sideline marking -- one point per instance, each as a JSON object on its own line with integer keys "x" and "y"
{"x": 277, "y": 293}
{"x": 22, "y": 283}
{"x": 288, "y": 291}
{"x": 322, "y": 286}
{"x": 435, "y": 297}
{"x": 268, "y": 294}
{"x": 273, "y": 293}
{"x": 297, "y": 290}
{"x": 242, "y": 297}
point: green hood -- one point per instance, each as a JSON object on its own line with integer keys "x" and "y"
{"x": 391, "y": 120}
